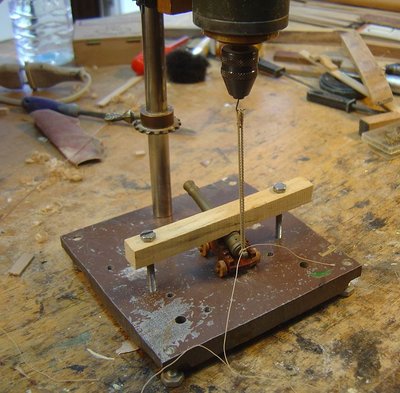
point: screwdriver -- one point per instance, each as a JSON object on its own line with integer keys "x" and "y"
{"x": 336, "y": 101}
{"x": 31, "y": 104}
{"x": 277, "y": 71}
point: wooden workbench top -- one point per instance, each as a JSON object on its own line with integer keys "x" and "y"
{"x": 347, "y": 345}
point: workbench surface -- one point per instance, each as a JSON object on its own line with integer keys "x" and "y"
{"x": 346, "y": 345}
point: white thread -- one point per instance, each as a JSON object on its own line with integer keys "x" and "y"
{"x": 225, "y": 360}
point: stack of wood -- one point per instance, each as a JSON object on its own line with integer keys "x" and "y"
{"x": 380, "y": 28}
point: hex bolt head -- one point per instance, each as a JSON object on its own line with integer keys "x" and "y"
{"x": 172, "y": 378}
{"x": 279, "y": 188}
{"x": 148, "y": 235}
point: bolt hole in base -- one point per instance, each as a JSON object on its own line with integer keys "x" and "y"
{"x": 303, "y": 264}
{"x": 207, "y": 309}
{"x": 180, "y": 319}
{"x": 170, "y": 294}
{"x": 109, "y": 268}
{"x": 270, "y": 254}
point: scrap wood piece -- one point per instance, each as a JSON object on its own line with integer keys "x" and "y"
{"x": 376, "y": 121}
{"x": 126, "y": 347}
{"x": 127, "y": 85}
{"x": 287, "y": 56}
{"x": 388, "y": 5}
{"x": 20, "y": 264}
{"x": 381, "y": 20}
{"x": 65, "y": 133}
{"x": 371, "y": 74}
{"x": 213, "y": 224}
{"x": 98, "y": 355}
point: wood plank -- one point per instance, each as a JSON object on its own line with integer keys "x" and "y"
{"x": 309, "y": 36}
{"x": 375, "y": 121}
{"x": 381, "y": 20}
{"x": 20, "y": 264}
{"x": 119, "y": 90}
{"x": 389, "y": 5}
{"x": 380, "y": 32}
{"x": 287, "y": 56}
{"x": 371, "y": 74}
{"x": 214, "y": 223}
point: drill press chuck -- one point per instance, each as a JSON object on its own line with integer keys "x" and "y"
{"x": 239, "y": 69}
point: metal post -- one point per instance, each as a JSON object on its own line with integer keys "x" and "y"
{"x": 156, "y": 103}
{"x": 278, "y": 227}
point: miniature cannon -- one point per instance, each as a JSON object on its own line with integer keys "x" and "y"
{"x": 228, "y": 248}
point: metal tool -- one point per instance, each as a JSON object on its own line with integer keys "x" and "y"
{"x": 31, "y": 104}
{"x": 338, "y": 102}
{"x": 277, "y": 71}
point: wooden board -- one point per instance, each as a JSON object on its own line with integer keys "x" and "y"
{"x": 20, "y": 264}
{"x": 381, "y": 20}
{"x": 371, "y": 74}
{"x": 375, "y": 121}
{"x": 390, "y": 5}
{"x": 215, "y": 223}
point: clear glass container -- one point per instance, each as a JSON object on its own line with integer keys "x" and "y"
{"x": 43, "y": 30}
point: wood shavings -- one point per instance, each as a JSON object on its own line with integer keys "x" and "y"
{"x": 51, "y": 209}
{"x": 21, "y": 371}
{"x": 59, "y": 171}
{"x": 4, "y": 111}
{"x": 140, "y": 153}
{"x": 37, "y": 158}
{"x": 28, "y": 181}
{"x": 62, "y": 173}
{"x": 41, "y": 237}
{"x": 126, "y": 347}
{"x": 20, "y": 264}
{"x": 329, "y": 250}
{"x": 98, "y": 355}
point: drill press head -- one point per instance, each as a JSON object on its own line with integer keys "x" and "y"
{"x": 240, "y": 24}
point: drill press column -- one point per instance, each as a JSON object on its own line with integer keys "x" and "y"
{"x": 156, "y": 103}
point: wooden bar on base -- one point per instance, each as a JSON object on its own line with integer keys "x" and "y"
{"x": 215, "y": 223}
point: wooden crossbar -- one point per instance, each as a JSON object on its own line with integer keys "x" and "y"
{"x": 213, "y": 224}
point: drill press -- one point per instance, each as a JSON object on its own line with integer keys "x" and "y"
{"x": 188, "y": 307}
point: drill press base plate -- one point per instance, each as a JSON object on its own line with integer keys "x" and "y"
{"x": 190, "y": 305}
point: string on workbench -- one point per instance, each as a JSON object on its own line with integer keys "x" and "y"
{"x": 225, "y": 360}
{"x": 22, "y": 356}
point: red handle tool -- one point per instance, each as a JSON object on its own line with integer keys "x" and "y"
{"x": 137, "y": 64}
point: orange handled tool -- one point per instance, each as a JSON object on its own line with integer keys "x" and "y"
{"x": 137, "y": 64}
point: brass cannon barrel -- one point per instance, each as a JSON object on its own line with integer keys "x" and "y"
{"x": 232, "y": 241}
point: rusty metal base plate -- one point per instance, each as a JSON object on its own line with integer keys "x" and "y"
{"x": 190, "y": 306}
